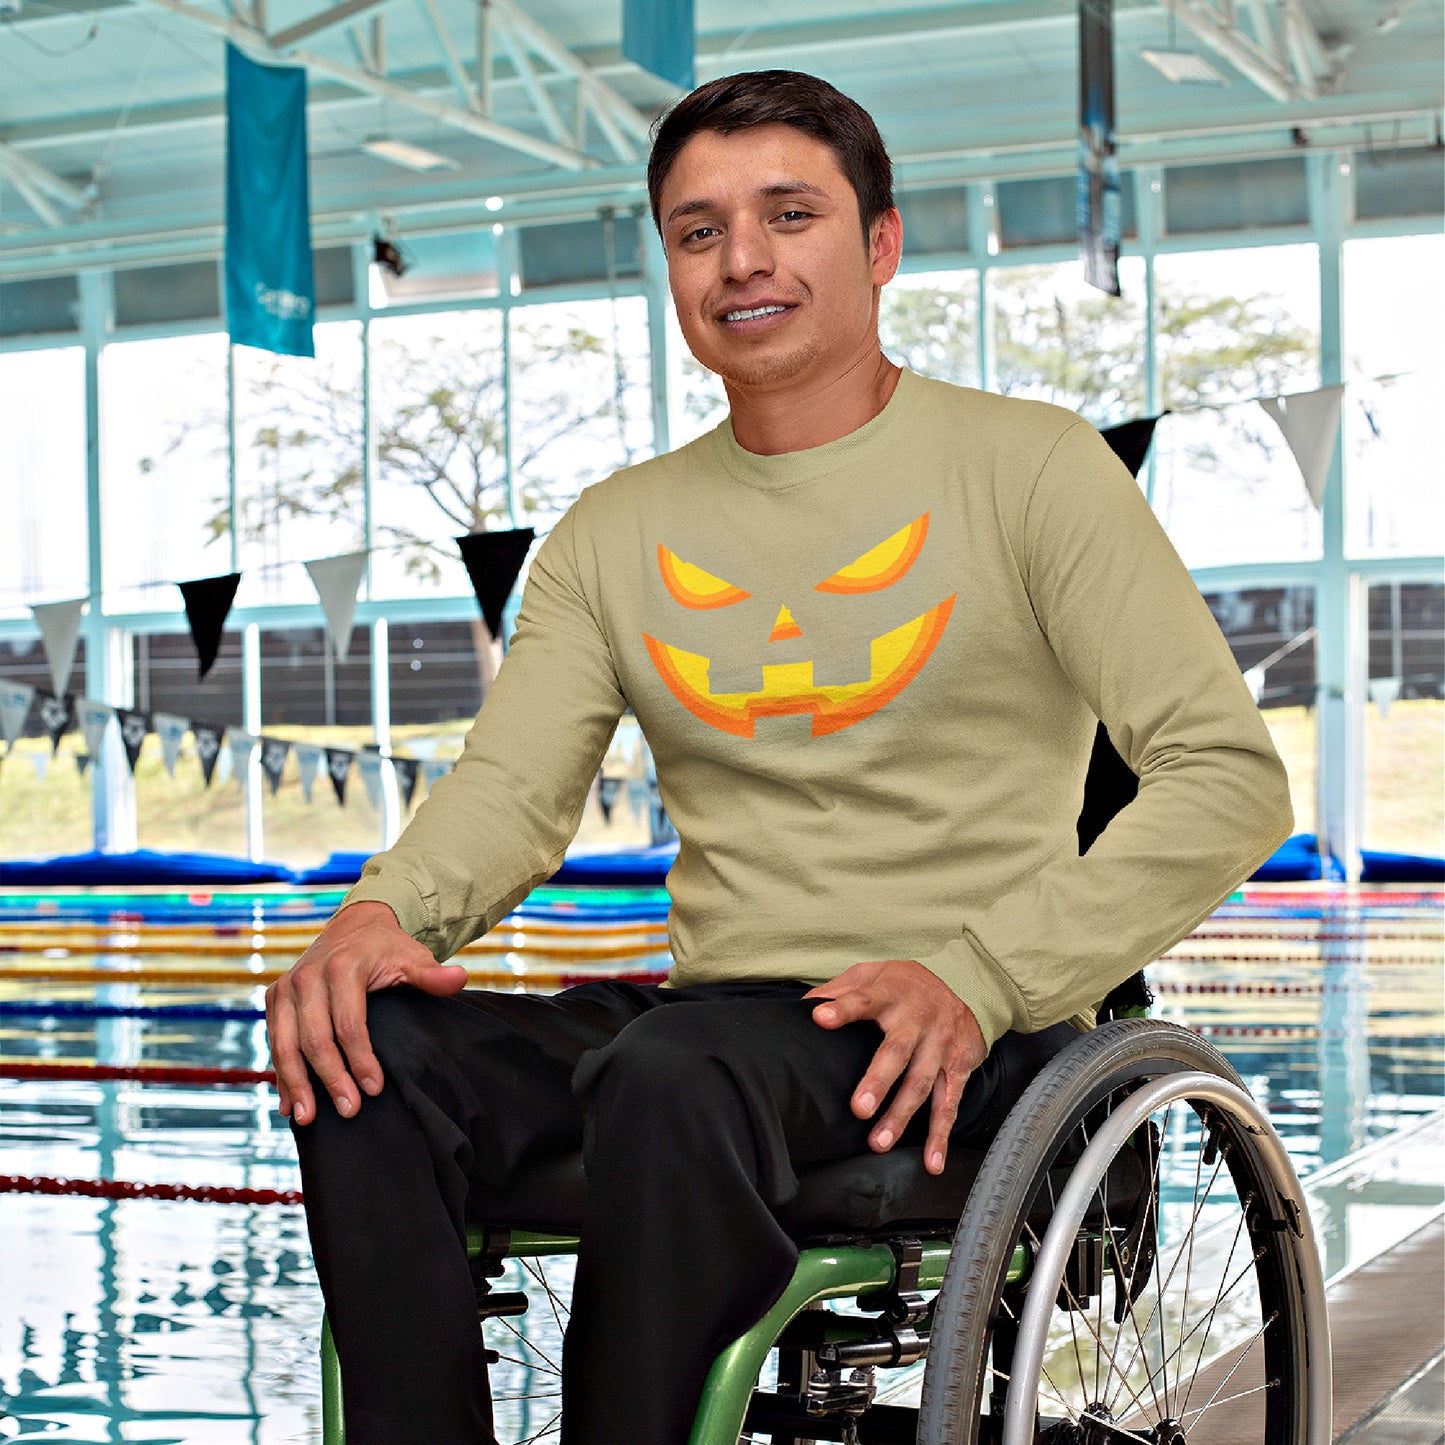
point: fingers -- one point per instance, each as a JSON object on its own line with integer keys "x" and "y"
{"x": 913, "y": 1090}
{"x": 947, "y": 1091}
{"x": 292, "y": 1083}
{"x": 434, "y": 978}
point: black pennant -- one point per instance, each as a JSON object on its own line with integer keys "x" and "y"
{"x": 133, "y": 729}
{"x": 57, "y": 716}
{"x": 493, "y": 560}
{"x": 607, "y": 791}
{"x": 208, "y": 604}
{"x": 208, "y": 747}
{"x": 408, "y": 772}
{"x": 83, "y": 762}
{"x": 1129, "y": 441}
{"x": 338, "y": 768}
{"x": 274, "y": 752}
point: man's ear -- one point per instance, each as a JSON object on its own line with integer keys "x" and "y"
{"x": 885, "y": 247}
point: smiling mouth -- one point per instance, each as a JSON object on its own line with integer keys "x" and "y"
{"x": 788, "y": 689}
{"x": 754, "y": 313}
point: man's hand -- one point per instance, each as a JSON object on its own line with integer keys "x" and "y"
{"x": 317, "y": 1010}
{"x": 931, "y": 1041}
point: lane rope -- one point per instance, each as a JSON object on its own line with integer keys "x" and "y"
{"x": 139, "y": 1073}
{"x": 129, "y": 1189}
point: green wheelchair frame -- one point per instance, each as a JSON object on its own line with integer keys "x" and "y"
{"x": 1037, "y": 1242}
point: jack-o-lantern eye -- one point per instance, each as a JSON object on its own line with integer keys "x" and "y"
{"x": 880, "y": 566}
{"x": 693, "y": 587}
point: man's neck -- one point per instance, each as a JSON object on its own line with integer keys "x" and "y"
{"x": 769, "y": 422}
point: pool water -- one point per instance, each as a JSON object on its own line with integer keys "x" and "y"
{"x": 181, "y": 1320}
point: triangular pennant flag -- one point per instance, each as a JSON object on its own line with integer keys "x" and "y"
{"x": 208, "y": 748}
{"x": 171, "y": 730}
{"x": 338, "y": 768}
{"x": 408, "y": 772}
{"x": 424, "y": 748}
{"x": 368, "y": 764}
{"x": 308, "y": 762}
{"x": 1254, "y": 681}
{"x": 56, "y": 717}
{"x": 94, "y": 718}
{"x": 637, "y": 797}
{"x": 15, "y": 700}
{"x": 1383, "y": 692}
{"x": 1310, "y": 421}
{"x": 662, "y": 829}
{"x": 40, "y": 761}
{"x": 133, "y": 729}
{"x": 273, "y": 760}
{"x": 607, "y": 791}
{"x": 208, "y": 604}
{"x": 243, "y": 744}
{"x": 83, "y": 762}
{"x": 1129, "y": 441}
{"x": 59, "y": 624}
{"x": 336, "y": 580}
{"x": 493, "y": 560}
{"x": 433, "y": 769}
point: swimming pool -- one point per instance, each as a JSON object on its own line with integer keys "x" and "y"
{"x": 181, "y": 1319}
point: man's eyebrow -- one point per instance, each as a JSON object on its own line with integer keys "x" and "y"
{"x": 776, "y": 191}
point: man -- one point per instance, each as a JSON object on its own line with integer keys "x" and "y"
{"x": 866, "y": 626}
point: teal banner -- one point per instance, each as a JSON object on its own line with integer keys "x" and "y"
{"x": 658, "y": 35}
{"x": 270, "y": 293}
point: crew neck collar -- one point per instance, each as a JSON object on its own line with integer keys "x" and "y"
{"x": 791, "y": 469}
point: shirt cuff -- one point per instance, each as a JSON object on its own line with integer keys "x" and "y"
{"x": 401, "y": 896}
{"x": 977, "y": 978}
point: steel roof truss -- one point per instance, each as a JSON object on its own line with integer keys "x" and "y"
{"x": 1259, "y": 57}
{"x": 41, "y": 187}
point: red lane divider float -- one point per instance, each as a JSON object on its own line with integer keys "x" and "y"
{"x": 143, "y": 1073}
{"x": 128, "y": 1189}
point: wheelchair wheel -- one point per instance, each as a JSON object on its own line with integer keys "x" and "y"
{"x": 1172, "y": 1294}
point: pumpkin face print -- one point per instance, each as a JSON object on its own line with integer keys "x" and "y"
{"x": 788, "y": 688}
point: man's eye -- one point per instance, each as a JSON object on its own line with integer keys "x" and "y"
{"x": 701, "y": 233}
{"x": 795, "y": 216}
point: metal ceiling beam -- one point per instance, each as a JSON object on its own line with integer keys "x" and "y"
{"x": 324, "y": 20}
{"x": 463, "y": 120}
{"x": 453, "y": 62}
{"x": 1218, "y": 30}
{"x": 41, "y": 188}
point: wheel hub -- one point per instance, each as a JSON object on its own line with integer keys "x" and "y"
{"x": 1169, "y": 1432}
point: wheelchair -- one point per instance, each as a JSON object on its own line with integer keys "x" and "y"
{"x": 1131, "y": 1259}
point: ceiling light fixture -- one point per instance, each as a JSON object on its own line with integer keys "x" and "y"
{"x": 1184, "y": 67}
{"x": 404, "y": 153}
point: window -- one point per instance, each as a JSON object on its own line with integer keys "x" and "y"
{"x": 164, "y": 493}
{"x": 929, "y": 323}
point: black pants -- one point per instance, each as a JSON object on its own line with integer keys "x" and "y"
{"x": 693, "y": 1108}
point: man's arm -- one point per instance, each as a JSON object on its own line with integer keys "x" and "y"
{"x": 487, "y": 834}
{"x": 1128, "y": 625}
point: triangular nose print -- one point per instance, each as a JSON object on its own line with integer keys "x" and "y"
{"x": 784, "y": 628}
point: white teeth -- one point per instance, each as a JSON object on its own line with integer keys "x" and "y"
{"x": 749, "y": 315}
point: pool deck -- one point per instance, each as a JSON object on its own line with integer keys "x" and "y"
{"x": 1387, "y": 1323}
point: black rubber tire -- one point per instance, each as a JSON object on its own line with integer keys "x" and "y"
{"x": 1120, "y": 1055}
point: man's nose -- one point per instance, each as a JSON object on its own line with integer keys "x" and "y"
{"x": 748, "y": 253}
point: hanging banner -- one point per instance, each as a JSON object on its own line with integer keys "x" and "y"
{"x": 1310, "y": 421}
{"x": 336, "y": 580}
{"x": 659, "y": 35}
{"x": 308, "y": 763}
{"x": 607, "y": 791}
{"x": 1129, "y": 441}
{"x": 15, "y": 700}
{"x": 1100, "y": 206}
{"x": 338, "y": 769}
{"x": 408, "y": 774}
{"x": 242, "y": 745}
{"x": 59, "y": 624}
{"x": 273, "y": 760}
{"x": 133, "y": 729}
{"x": 493, "y": 560}
{"x": 171, "y": 730}
{"x": 208, "y": 748}
{"x": 368, "y": 764}
{"x": 94, "y": 718}
{"x": 270, "y": 287}
{"x": 57, "y": 715}
{"x": 208, "y": 604}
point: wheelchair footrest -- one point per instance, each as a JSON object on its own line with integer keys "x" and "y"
{"x": 882, "y": 1425}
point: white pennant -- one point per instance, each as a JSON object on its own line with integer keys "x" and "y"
{"x": 432, "y": 770}
{"x": 369, "y": 766}
{"x": 1383, "y": 692}
{"x": 94, "y": 718}
{"x": 336, "y": 580}
{"x": 1310, "y": 421}
{"x": 243, "y": 744}
{"x": 40, "y": 761}
{"x": 309, "y": 758}
{"x": 15, "y": 700}
{"x": 59, "y": 624}
{"x": 424, "y": 749}
{"x": 170, "y": 729}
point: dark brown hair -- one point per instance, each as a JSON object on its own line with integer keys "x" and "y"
{"x": 779, "y": 97}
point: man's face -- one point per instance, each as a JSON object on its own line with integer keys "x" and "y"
{"x": 766, "y": 258}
